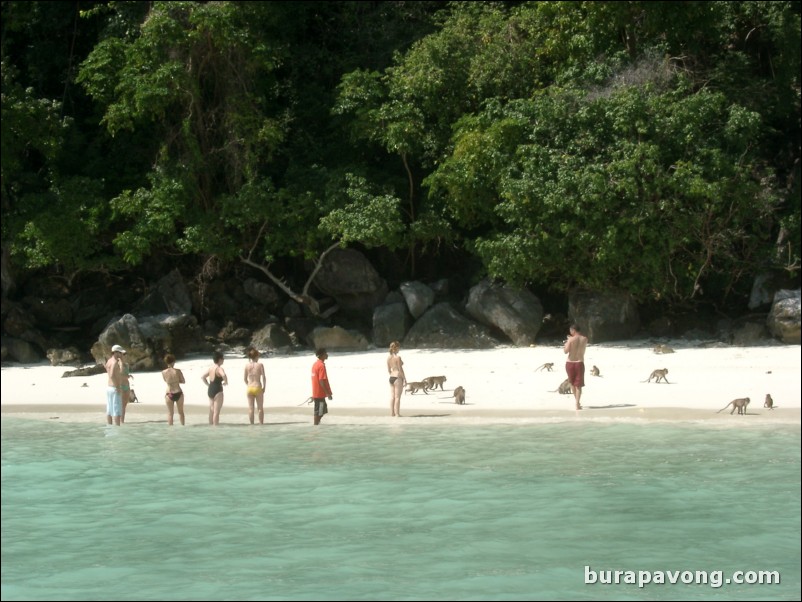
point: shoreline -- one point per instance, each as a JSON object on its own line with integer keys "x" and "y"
{"x": 197, "y": 415}
{"x": 503, "y": 386}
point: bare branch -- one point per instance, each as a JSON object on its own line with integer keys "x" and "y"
{"x": 276, "y": 280}
{"x": 318, "y": 265}
{"x": 303, "y": 298}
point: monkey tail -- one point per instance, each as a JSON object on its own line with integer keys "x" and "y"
{"x": 724, "y": 408}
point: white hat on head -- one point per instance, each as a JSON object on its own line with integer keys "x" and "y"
{"x": 117, "y": 348}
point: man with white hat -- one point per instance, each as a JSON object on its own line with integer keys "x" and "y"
{"x": 114, "y": 398}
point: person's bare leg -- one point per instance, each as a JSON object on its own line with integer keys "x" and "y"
{"x": 169, "y": 403}
{"x": 218, "y": 405}
{"x": 260, "y": 406}
{"x": 180, "y": 404}
{"x": 126, "y": 395}
{"x": 577, "y": 396}
{"x": 250, "y": 408}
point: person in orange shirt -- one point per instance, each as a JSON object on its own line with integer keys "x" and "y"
{"x": 321, "y": 389}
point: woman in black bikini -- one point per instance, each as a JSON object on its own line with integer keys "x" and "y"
{"x": 395, "y": 367}
{"x": 215, "y": 378}
{"x": 174, "y": 395}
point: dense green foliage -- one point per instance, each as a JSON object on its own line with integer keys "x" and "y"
{"x": 650, "y": 146}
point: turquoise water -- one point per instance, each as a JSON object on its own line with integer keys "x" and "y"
{"x": 401, "y": 512}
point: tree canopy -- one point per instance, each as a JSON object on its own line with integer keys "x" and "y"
{"x": 648, "y": 146}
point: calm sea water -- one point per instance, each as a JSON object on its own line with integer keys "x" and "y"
{"x": 401, "y": 512}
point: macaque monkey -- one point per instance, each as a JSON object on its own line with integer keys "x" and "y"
{"x": 459, "y": 395}
{"x": 548, "y": 366}
{"x": 658, "y": 374}
{"x": 769, "y": 403}
{"x": 430, "y": 382}
{"x": 564, "y": 388}
{"x": 415, "y": 386}
{"x": 737, "y": 404}
{"x": 595, "y": 371}
{"x": 663, "y": 349}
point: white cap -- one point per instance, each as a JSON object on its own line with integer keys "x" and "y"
{"x": 117, "y": 348}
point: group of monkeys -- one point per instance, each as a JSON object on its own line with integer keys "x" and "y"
{"x": 430, "y": 383}
{"x": 740, "y": 404}
{"x": 658, "y": 375}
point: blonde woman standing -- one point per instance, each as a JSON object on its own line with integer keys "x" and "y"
{"x": 395, "y": 367}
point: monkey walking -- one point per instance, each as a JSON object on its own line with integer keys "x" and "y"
{"x": 658, "y": 374}
{"x": 663, "y": 349}
{"x": 430, "y": 382}
{"x": 414, "y": 387}
{"x": 459, "y": 395}
{"x": 769, "y": 403}
{"x": 548, "y": 366}
{"x": 737, "y": 404}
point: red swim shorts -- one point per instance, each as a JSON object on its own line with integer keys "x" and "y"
{"x": 576, "y": 373}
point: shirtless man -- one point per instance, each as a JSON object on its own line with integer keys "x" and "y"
{"x": 575, "y": 346}
{"x": 256, "y": 382}
{"x": 114, "y": 397}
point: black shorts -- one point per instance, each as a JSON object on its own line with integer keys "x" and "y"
{"x": 321, "y": 407}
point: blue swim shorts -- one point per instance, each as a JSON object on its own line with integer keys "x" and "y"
{"x": 114, "y": 402}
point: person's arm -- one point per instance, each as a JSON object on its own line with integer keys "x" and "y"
{"x": 180, "y": 376}
{"x": 205, "y": 378}
{"x": 225, "y": 377}
{"x": 324, "y": 383}
{"x": 262, "y": 377}
{"x": 246, "y": 374}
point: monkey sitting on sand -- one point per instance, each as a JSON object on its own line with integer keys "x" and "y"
{"x": 737, "y": 404}
{"x": 564, "y": 388}
{"x": 769, "y": 403}
{"x": 459, "y": 395}
{"x": 595, "y": 371}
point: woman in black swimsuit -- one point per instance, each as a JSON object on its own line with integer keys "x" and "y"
{"x": 174, "y": 397}
{"x": 215, "y": 378}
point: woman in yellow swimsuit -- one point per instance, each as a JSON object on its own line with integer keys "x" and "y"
{"x": 174, "y": 397}
{"x": 255, "y": 381}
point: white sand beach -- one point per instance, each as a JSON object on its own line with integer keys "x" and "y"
{"x": 502, "y": 385}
